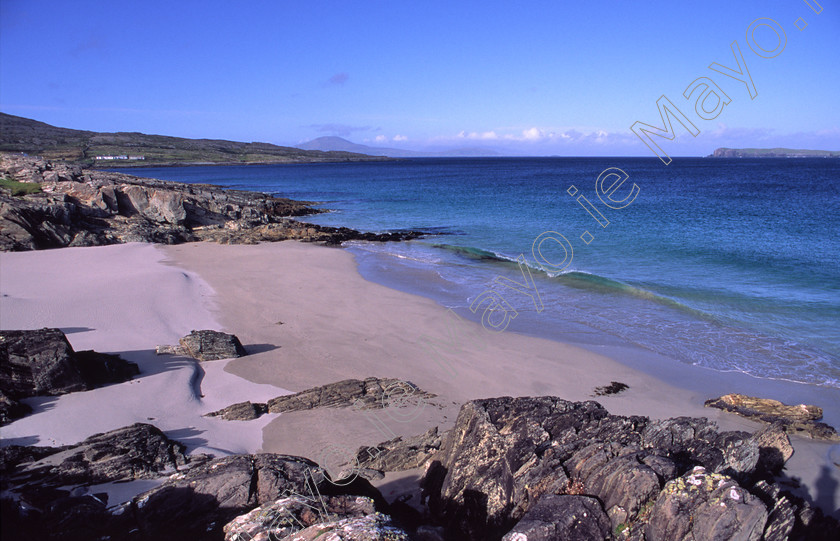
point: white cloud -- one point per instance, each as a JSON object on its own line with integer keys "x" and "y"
{"x": 532, "y": 134}
{"x": 400, "y": 138}
{"x": 482, "y": 136}
{"x": 380, "y": 139}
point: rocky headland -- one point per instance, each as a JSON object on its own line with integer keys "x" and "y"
{"x": 84, "y": 207}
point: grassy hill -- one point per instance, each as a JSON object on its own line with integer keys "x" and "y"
{"x": 18, "y": 134}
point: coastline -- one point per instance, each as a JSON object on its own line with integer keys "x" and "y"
{"x": 320, "y": 328}
{"x": 335, "y": 325}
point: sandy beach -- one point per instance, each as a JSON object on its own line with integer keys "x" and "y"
{"x": 307, "y": 318}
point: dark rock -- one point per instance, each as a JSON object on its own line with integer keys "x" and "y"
{"x": 369, "y": 393}
{"x": 801, "y": 419}
{"x": 206, "y": 346}
{"x": 614, "y": 387}
{"x": 11, "y": 409}
{"x": 400, "y": 454}
{"x": 364, "y": 394}
{"x": 701, "y": 505}
{"x": 103, "y": 368}
{"x": 39, "y": 362}
{"x": 139, "y": 451}
{"x": 570, "y": 518}
{"x": 212, "y": 345}
{"x": 207, "y": 497}
{"x": 42, "y": 362}
{"x": 242, "y": 411}
{"x": 13, "y": 455}
{"x": 505, "y": 455}
{"x": 486, "y": 457}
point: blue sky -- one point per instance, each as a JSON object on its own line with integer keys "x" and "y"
{"x": 539, "y": 78}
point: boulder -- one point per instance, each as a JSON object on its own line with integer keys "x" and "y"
{"x": 704, "y": 505}
{"x": 139, "y": 451}
{"x": 242, "y": 411}
{"x": 801, "y": 419}
{"x": 42, "y": 363}
{"x": 206, "y": 345}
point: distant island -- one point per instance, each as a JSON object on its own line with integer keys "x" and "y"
{"x": 131, "y": 149}
{"x": 773, "y": 153}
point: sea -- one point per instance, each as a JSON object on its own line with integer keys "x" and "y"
{"x": 730, "y": 265}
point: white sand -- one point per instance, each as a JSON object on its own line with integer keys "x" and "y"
{"x": 123, "y": 299}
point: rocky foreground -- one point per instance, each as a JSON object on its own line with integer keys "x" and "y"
{"x": 516, "y": 469}
{"x": 82, "y": 207}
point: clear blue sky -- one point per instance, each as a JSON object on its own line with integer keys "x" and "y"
{"x": 553, "y": 77}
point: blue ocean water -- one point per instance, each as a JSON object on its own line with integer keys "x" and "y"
{"x": 729, "y": 264}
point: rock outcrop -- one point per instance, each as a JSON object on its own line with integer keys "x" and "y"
{"x": 139, "y": 451}
{"x": 81, "y": 207}
{"x": 652, "y": 480}
{"x": 801, "y": 419}
{"x": 566, "y": 517}
{"x": 370, "y": 393}
{"x": 42, "y": 363}
{"x": 44, "y": 489}
{"x": 511, "y": 468}
{"x": 206, "y": 345}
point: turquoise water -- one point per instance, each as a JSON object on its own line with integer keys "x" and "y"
{"x": 729, "y": 264}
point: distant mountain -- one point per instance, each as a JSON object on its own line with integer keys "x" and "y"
{"x": 773, "y": 153}
{"x": 125, "y": 149}
{"x": 332, "y": 143}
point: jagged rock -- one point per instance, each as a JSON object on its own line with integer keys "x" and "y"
{"x": 42, "y": 485}
{"x": 570, "y": 518}
{"x": 286, "y": 516}
{"x": 90, "y": 208}
{"x": 242, "y": 411}
{"x": 799, "y": 419}
{"x": 702, "y": 505}
{"x": 505, "y": 454}
{"x": 400, "y": 454}
{"x": 42, "y": 362}
{"x": 485, "y": 458}
{"x": 364, "y": 394}
{"x": 206, "y": 346}
{"x": 139, "y": 451}
{"x": 361, "y": 394}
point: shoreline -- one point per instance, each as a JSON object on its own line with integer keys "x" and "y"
{"x": 335, "y": 325}
{"x": 397, "y": 321}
